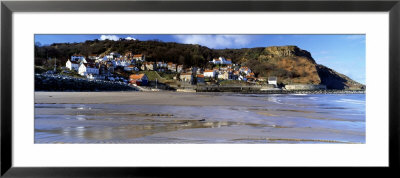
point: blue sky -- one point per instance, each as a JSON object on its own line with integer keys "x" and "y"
{"x": 343, "y": 53}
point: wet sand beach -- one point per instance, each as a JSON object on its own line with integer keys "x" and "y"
{"x": 173, "y": 117}
{"x": 144, "y": 98}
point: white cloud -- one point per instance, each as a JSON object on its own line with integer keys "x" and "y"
{"x": 130, "y": 38}
{"x": 215, "y": 41}
{"x": 109, "y": 37}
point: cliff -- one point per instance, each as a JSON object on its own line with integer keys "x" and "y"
{"x": 335, "y": 80}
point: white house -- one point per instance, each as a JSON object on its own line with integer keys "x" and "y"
{"x": 86, "y": 69}
{"x": 161, "y": 64}
{"x": 209, "y": 73}
{"x": 221, "y": 60}
{"x": 273, "y": 81}
{"x": 139, "y": 57}
{"x": 171, "y": 66}
{"x": 224, "y": 75}
{"x": 122, "y": 63}
{"x": 72, "y": 65}
{"x": 186, "y": 77}
{"x": 111, "y": 56}
{"x": 179, "y": 68}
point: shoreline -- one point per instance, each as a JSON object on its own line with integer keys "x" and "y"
{"x": 144, "y": 98}
{"x": 59, "y": 83}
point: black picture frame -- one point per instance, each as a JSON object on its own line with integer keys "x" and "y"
{"x": 8, "y": 7}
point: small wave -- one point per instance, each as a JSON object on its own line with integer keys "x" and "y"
{"x": 351, "y": 101}
{"x": 299, "y": 94}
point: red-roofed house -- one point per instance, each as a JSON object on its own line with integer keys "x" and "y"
{"x": 138, "y": 79}
{"x": 139, "y": 57}
{"x": 209, "y": 73}
{"x": 186, "y": 77}
{"x": 200, "y": 79}
{"x": 148, "y": 66}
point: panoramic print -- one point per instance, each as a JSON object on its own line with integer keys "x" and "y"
{"x": 192, "y": 88}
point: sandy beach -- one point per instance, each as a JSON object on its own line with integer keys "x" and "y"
{"x": 143, "y": 98}
{"x": 173, "y": 117}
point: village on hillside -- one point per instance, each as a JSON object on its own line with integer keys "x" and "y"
{"x": 104, "y": 68}
{"x": 134, "y": 70}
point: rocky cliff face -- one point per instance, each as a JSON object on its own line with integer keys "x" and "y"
{"x": 293, "y": 65}
{"x": 335, "y": 80}
{"x": 286, "y": 51}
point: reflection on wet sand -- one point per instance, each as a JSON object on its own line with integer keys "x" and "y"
{"x": 265, "y": 119}
{"x": 278, "y": 140}
{"x": 145, "y": 125}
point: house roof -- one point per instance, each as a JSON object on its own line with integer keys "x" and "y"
{"x": 136, "y": 76}
{"x": 209, "y": 71}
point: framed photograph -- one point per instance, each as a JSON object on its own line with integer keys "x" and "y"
{"x": 136, "y": 88}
